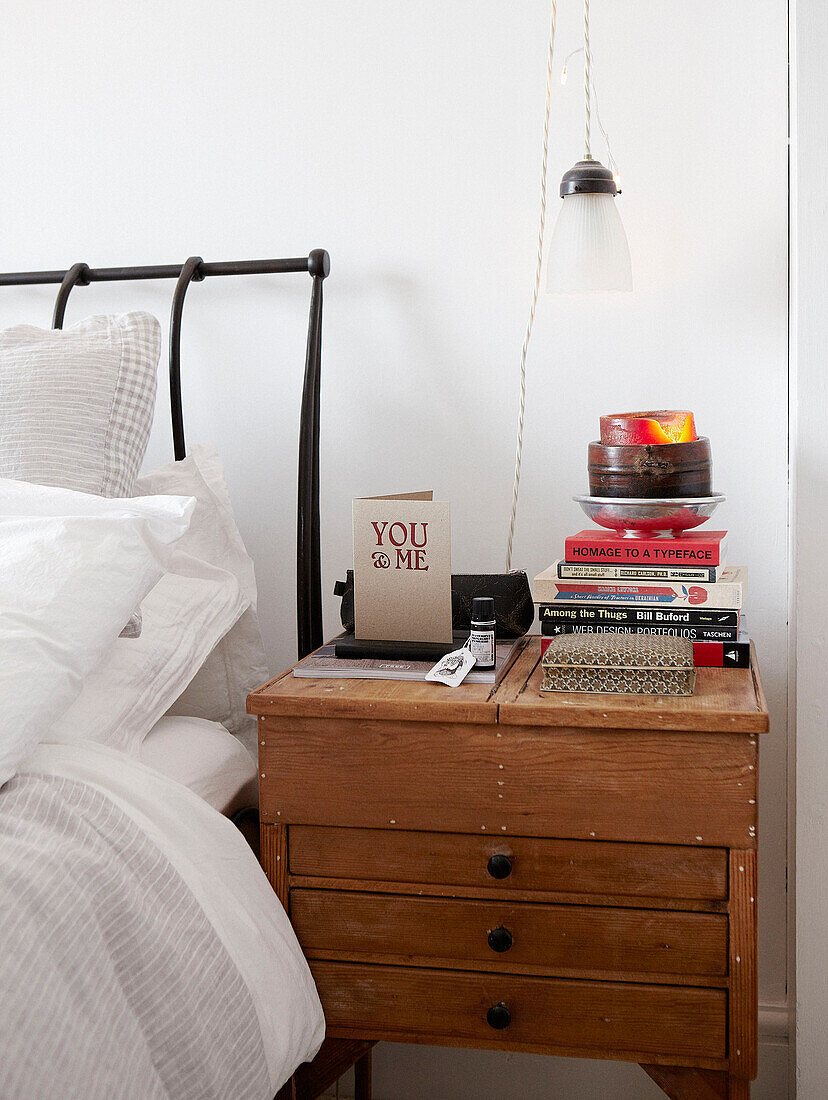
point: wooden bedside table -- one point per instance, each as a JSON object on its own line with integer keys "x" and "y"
{"x": 499, "y": 868}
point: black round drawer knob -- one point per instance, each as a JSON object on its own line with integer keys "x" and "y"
{"x": 500, "y": 939}
{"x": 499, "y": 866}
{"x": 498, "y": 1016}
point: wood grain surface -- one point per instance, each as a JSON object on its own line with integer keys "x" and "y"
{"x": 592, "y": 941}
{"x": 538, "y": 864}
{"x": 744, "y": 994}
{"x": 725, "y": 700}
{"x": 691, "y": 1084}
{"x": 438, "y": 890}
{"x": 274, "y": 858}
{"x": 603, "y": 1019}
{"x": 655, "y": 787}
{"x": 334, "y": 1058}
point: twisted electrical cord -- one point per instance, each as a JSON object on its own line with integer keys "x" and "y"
{"x": 536, "y": 288}
{"x": 587, "y": 84}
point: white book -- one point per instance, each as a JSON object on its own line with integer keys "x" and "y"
{"x": 728, "y": 592}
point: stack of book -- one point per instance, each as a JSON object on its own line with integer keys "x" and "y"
{"x": 680, "y": 587}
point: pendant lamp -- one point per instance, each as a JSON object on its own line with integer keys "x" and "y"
{"x": 588, "y": 252}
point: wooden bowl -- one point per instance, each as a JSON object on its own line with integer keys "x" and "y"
{"x": 651, "y": 470}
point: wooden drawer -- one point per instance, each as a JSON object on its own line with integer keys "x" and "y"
{"x": 511, "y": 936}
{"x": 578, "y": 867}
{"x": 603, "y": 1019}
{"x": 680, "y": 787}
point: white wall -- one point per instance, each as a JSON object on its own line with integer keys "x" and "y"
{"x": 810, "y": 653}
{"x": 404, "y": 137}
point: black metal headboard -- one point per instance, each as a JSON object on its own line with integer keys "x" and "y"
{"x": 317, "y": 264}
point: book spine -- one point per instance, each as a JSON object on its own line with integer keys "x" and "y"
{"x": 622, "y": 551}
{"x": 722, "y": 654}
{"x": 708, "y": 654}
{"x": 645, "y": 616}
{"x": 694, "y": 633}
{"x": 727, "y": 595}
{"x": 573, "y": 571}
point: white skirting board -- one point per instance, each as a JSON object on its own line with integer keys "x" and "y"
{"x": 409, "y": 1072}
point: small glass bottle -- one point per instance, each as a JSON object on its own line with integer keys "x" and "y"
{"x": 482, "y": 636}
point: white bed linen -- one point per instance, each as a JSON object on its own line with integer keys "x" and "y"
{"x": 237, "y": 664}
{"x": 205, "y": 757}
{"x": 213, "y": 859}
{"x": 190, "y": 608}
{"x": 72, "y": 569}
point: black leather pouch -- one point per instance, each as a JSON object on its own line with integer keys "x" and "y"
{"x": 514, "y": 610}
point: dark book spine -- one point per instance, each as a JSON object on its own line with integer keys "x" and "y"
{"x": 712, "y": 634}
{"x": 612, "y": 614}
{"x": 578, "y": 571}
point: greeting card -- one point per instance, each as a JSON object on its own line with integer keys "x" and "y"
{"x": 402, "y": 568}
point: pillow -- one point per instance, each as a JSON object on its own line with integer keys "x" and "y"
{"x": 190, "y": 608}
{"x": 72, "y": 566}
{"x": 204, "y": 757}
{"x": 78, "y": 403}
{"x": 238, "y": 663}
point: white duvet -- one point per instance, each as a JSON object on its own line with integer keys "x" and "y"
{"x": 204, "y": 859}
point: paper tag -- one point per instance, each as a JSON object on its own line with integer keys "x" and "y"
{"x": 453, "y": 668}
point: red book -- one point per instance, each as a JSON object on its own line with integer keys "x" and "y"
{"x": 602, "y": 547}
{"x": 722, "y": 654}
{"x": 707, "y": 654}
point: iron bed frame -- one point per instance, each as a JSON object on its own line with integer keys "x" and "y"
{"x": 317, "y": 264}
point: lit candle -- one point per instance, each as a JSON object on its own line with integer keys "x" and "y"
{"x": 648, "y": 428}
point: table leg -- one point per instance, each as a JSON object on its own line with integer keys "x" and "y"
{"x": 362, "y": 1077}
{"x": 685, "y": 1083}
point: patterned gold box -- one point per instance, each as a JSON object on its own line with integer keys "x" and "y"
{"x": 639, "y": 664}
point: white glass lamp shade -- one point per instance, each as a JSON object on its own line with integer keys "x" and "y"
{"x": 589, "y": 251}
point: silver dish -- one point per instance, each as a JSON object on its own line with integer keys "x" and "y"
{"x": 647, "y": 518}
